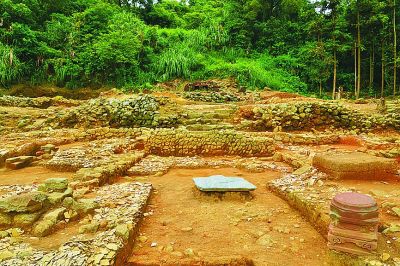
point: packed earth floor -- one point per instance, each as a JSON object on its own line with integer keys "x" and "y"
{"x": 109, "y": 180}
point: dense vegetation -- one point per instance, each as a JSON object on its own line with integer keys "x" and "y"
{"x": 292, "y": 45}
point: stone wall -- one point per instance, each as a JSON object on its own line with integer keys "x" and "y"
{"x": 132, "y": 112}
{"x": 216, "y": 97}
{"x": 308, "y": 115}
{"x": 169, "y": 142}
{"x": 42, "y": 102}
{"x": 100, "y": 175}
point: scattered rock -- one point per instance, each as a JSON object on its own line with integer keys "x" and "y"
{"x": 265, "y": 240}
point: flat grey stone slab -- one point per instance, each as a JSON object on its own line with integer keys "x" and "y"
{"x": 221, "y": 183}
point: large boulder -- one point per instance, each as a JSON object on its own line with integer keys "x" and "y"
{"x": 54, "y": 185}
{"x": 355, "y": 165}
{"x": 26, "y": 219}
{"x": 46, "y": 225}
{"x": 28, "y": 202}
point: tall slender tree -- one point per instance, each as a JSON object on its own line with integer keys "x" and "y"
{"x": 394, "y": 49}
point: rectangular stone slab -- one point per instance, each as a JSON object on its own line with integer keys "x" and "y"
{"x": 355, "y": 165}
{"x": 221, "y": 183}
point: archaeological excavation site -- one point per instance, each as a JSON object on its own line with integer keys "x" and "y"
{"x": 199, "y": 174}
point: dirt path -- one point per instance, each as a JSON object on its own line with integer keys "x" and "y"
{"x": 263, "y": 229}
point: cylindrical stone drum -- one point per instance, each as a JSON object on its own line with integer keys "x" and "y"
{"x": 354, "y": 223}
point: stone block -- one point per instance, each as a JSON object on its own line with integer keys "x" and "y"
{"x": 26, "y": 219}
{"x": 54, "y": 185}
{"x": 221, "y": 183}
{"x": 46, "y": 225}
{"x": 5, "y": 219}
{"x": 355, "y": 165}
{"x": 58, "y": 197}
{"x": 28, "y": 202}
{"x": 48, "y": 148}
{"x": 19, "y": 162}
{"x": 3, "y": 156}
{"x": 89, "y": 228}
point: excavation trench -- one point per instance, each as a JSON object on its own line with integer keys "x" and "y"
{"x": 183, "y": 227}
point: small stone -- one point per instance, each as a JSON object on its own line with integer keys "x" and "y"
{"x": 105, "y": 262}
{"x": 4, "y": 234}
{"x": 112, "y": 246}
{"x": 385, "y": 256}
{"x": 5, "y": 219}
{"x": 154, "y": 244}
{"x": 89, "y": 228}
{"x": 189, "y": 252}
{"x": 143, "y": 239}
{"x": 302, "y": 170}
{"x": 98, "y": 257}
{"x": 5, "y": 255}
{"x": 177, "y": 254}
{"x": 265, "y": 240}
{"x": 396, "y": 210}
{"x": 122, "y": 230}
{"x": 15, "y": 232}
{"x": 169, "y": 248}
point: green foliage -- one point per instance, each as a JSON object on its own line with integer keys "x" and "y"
{"x": 113, "y": 56}
{"x": 10, "y": 65}
{"x": 285, "y": 45}
{"x": 177, "y": 62}
{"x": 255, "y": 72}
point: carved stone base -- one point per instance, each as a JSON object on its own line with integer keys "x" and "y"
{"x": 354, "y": 242}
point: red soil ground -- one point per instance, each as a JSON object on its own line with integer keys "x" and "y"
{"x": 223, "y": 228}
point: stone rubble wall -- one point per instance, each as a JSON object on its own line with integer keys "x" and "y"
{"x": 142, "y": 111}
{"x": 90, "y": 155}
{"x": 28, "y": 149}
{"x": 109, "y": 247}
{"x": 167, "y": 142}
{"x": 302, "y": 139}
{"x": 216, "y": 97}
{"x": 104, "y": 174}
{"x": 157, "y": 165}
{"x": 308, "y": 115}
{"x": 41, "y": 102}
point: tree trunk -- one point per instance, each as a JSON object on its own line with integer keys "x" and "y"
{"x": 383, "y": 71}
{"x": 320, "y": 88}
{"x": 355, "y": 69}
{"x": 358, "y": 56}
{"x": 334, "y": 73}
{"x": 394, "y": 49}
{"x": 371, "y": 66}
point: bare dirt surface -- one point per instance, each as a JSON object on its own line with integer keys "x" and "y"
{"x": 30, "y": 175}
{"x": 54, "y": 241}
{"x": 264, "y": 229}
{"x": 119, "y": 144}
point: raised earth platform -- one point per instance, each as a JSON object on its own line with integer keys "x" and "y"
{"x": 354, "y": 165}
